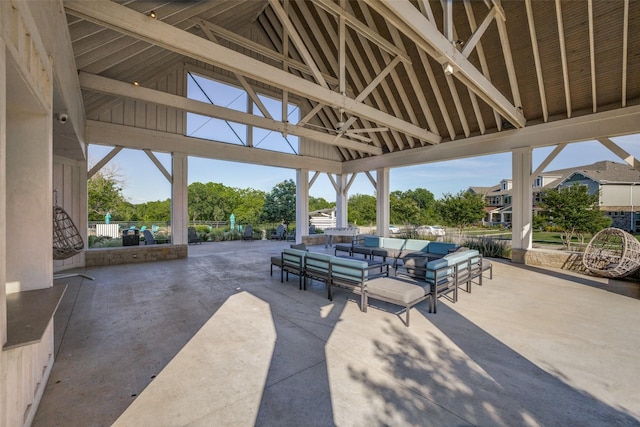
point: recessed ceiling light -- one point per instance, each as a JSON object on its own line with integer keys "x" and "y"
{"x": 136, "y": 83}
{"x": 152, "y": 14}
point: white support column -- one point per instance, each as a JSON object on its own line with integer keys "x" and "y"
{"x": 382, "y": 202}
{"x": 341, "y": 201}
{"x": 3, "y": 201}
{"x": 179, "y": 213}
{"x": 302, "y": 204}
{"x": 522, "y": 193}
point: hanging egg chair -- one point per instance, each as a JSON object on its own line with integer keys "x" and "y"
{"x": 67, "y": 241}
{"x": 612, "y": 252}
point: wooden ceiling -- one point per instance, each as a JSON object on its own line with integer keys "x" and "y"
{"x": 431, "y": 72}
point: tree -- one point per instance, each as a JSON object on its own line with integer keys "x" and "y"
{"x": 403, "y": 210}
{"x": 211, "y": 201}
{"x": 574, "y": 210}
{"x": 318, "y": 203}
{"x": 461, "y": 210}
{"x": 104, "y": 194}
{"x": 280, "y": 203}
{"x": 426, "y": 202}
{"x": 200, "y": 201}
{"x": 159, "y": 210}
{"x": 362, "y": 209}
{"x": 250, "y": 205}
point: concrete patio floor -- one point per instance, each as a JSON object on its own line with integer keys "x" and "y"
{"x": 214, "y": 340}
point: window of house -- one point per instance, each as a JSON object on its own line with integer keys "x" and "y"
{"x": 538, "y": 182}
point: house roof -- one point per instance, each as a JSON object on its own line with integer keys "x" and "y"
{"x": 485, "y": 190}
{"x": 603, "y": 172}
{"x": 405, "y": 82}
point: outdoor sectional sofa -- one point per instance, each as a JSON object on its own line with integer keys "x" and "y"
{"x": 422, "y": 279}
{"x": 390, "y": 247}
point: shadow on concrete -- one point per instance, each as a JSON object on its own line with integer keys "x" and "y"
{"x": 478, "y": 379}
{"x": 625, "y": 287}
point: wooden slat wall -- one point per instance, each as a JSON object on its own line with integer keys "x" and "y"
{"x": 147, "y": 115}
{"x": 67, "y": 186}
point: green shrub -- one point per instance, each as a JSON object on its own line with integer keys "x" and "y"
{"x": 489, "y": 247}
{"x": 216, "y": 235}
{"x": 104, "y": 242}
{"x": 203, "y": 229}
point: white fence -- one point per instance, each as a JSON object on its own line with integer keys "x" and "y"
{"x": 111, "y": 230}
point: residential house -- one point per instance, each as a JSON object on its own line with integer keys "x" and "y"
{"x": 617, "y": 184}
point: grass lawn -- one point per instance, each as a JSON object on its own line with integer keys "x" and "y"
{"x": 548, "y": 237}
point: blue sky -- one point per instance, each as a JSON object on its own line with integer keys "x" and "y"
{"x": 143, "y": 182}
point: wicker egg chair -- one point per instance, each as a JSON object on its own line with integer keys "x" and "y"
{"x": 67, "y": 241}
{"x": 613, "y": 253}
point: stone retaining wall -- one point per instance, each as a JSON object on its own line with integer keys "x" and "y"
{"x": 550, "y": 258}
{"x": 134, "y": 254}
{"x": 318, "y": 239}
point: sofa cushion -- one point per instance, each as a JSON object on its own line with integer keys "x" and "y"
{"x": 372, "y": 241}
{"x": 460, "y": 257}
{"x": 415, "y": 266}
{"x": 416, "y": 245}
{"x": 317, "y": 261}
{"x": 395, "y": 290}
{"x": 385, "y": 252}
{"x": 441, "y": 248}
{"x": 444, "y": 265}
{"x": 391, "y": 243}
{"x": 350, "y": 269}
{"x": 293, "y": 256}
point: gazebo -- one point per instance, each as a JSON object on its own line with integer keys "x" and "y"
{"x": 379, "y": 84}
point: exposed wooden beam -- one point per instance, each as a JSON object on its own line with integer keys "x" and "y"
{"x": 592, "y": 57}
{"x": 563, "y": 57}
{"x": 293, "y": 35}
{"x": 548, "y": 160}
{"x": 351, "y": 68}
{"x": 478, "y": 32}
{"x": 536, "y": 59}
{"x": 352, "y": 178}
{"x": 415, "y": 82}
{"x": 625, "y": 44}
{"x": 137, "y": 25}
{"x": 105, "y": 133}
{"x": 508, "y": 58}
{"x": 125, "y": 90}
{"x": 159, "y": 165}
{"x": 427, "y": 36}
{"x": 110, "y": 155}
{"x": 447, "y": 11}
{"x": 455, "y": 97}
{"x": 372, "y": 180}
{"x": 342, "y": 50}
{"x": 484, "y": 66}
{"x": 313, "y": 180}
{"x": 243, "y": 82}
{"x": 607, "y": 124}
{"x": 620, "y": 152}
{"x": 260, "y": 49}
{"x": 361, "y": 28}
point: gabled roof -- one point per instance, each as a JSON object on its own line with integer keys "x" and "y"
{"x": 398, "y": 78}
{"x": 603, "y": 172}
{"x": 485, "y": 191}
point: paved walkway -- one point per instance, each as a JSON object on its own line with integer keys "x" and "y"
{"x": 214, "y": 340}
